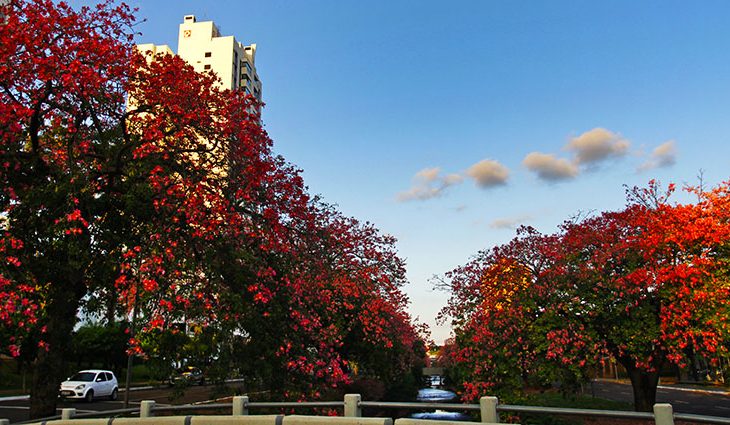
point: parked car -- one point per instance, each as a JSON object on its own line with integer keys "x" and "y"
{"x": 90, "y": 384}
{"x": 188, "y": 375}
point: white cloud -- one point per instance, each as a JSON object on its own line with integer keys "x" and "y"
{"x": 597, "y": 145}
{"x": 428, "y": 174}
{"x": 663, "y": 155}
{"x": 509, "y": 222}
{"x": 418, "y": 193}
{"x": 548, "y": 167}
{"x": 428, "y": 183}
{"x": 452, "y": 179}
{"x": 488, "y": 173}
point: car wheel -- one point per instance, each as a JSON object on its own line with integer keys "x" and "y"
{"x": 113, "y": 396}
{"x": 89, "y": 396}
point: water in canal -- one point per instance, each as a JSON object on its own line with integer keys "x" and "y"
{"x": 436, "y": 395}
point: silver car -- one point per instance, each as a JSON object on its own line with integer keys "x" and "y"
{"x": 90, "y": 384}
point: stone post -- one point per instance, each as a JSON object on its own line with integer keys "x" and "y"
{"x": 663, "y": 414}
{"x": 240, "y": 405}
{"x": 352, "y": 405}
{"x": 67, "y": 413}
{"x": 145, "y": 408}
{"x": 488, "y": 409}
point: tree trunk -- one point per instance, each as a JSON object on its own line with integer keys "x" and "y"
{"x": 45, "y": 383}
{"x": 49, "y": 367}
{"x": 644, "y": 384}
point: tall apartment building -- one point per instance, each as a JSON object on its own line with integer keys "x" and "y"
{"x": 201, "y": 45}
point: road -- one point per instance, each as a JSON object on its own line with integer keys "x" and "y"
{"x": 17, "y": 410}
{"x": 699, "y": 402}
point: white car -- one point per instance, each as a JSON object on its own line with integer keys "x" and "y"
{"x": 89, "y": 384}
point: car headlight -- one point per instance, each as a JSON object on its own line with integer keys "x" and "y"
{"x": 80, "y": 387}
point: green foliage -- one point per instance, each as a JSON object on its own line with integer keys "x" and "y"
{"x": 100, "y": 346}
{"x": 164, "y": 349}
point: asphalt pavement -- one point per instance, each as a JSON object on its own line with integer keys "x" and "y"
{"x": 684, "y": 399}
{"x": 16, "y": 409}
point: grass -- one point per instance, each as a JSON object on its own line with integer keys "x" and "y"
{"x": 555, "y": 399}
{"x": 11, "y": 380}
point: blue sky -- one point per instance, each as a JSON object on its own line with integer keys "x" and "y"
{"x": 447, "y": 126}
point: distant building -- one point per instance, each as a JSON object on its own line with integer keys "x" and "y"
{"x": 201, "y": 45}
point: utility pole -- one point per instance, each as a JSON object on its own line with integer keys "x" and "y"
{"x": 130, "y": 356}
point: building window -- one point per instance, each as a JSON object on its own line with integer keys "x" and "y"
{"x": 206, "y": 66}
{"x": 208, "y": 54}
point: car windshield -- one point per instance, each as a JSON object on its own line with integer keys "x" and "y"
{"x": 83, "y": 377}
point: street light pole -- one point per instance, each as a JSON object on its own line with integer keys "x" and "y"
{"x": 130, "y": 356}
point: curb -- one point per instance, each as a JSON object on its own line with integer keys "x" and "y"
{"x": 693, "y": 390}
{"x": 15, "y": 398}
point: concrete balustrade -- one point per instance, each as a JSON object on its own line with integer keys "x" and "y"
{"x": 334, "y": 420}
{"x": 238, "y": 420}
{"x": 178, "y": 420}
{"x": 488, "y": 408}
{"x": 411, "y": 421}
{"x": 149, "y": 420}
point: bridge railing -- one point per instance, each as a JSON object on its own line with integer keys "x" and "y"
{"x": 489, "y": 409}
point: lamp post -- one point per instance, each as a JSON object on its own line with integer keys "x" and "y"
{"x": 130, "y": 356}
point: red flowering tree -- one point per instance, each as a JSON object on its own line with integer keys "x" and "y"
{"x": 133, "y": 182}
{"x": 62, "y": 103}
{"x": 647, "y": 285}
{"x": 504, "y": 322}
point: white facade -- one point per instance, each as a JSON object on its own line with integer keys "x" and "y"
{"x": 154, "y": 49}
{"x": 201, "y": 45}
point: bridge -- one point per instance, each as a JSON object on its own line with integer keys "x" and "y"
{"x": 489, "y": 410}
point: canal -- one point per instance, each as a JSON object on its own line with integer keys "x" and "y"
{"x": 434, "y": 394}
